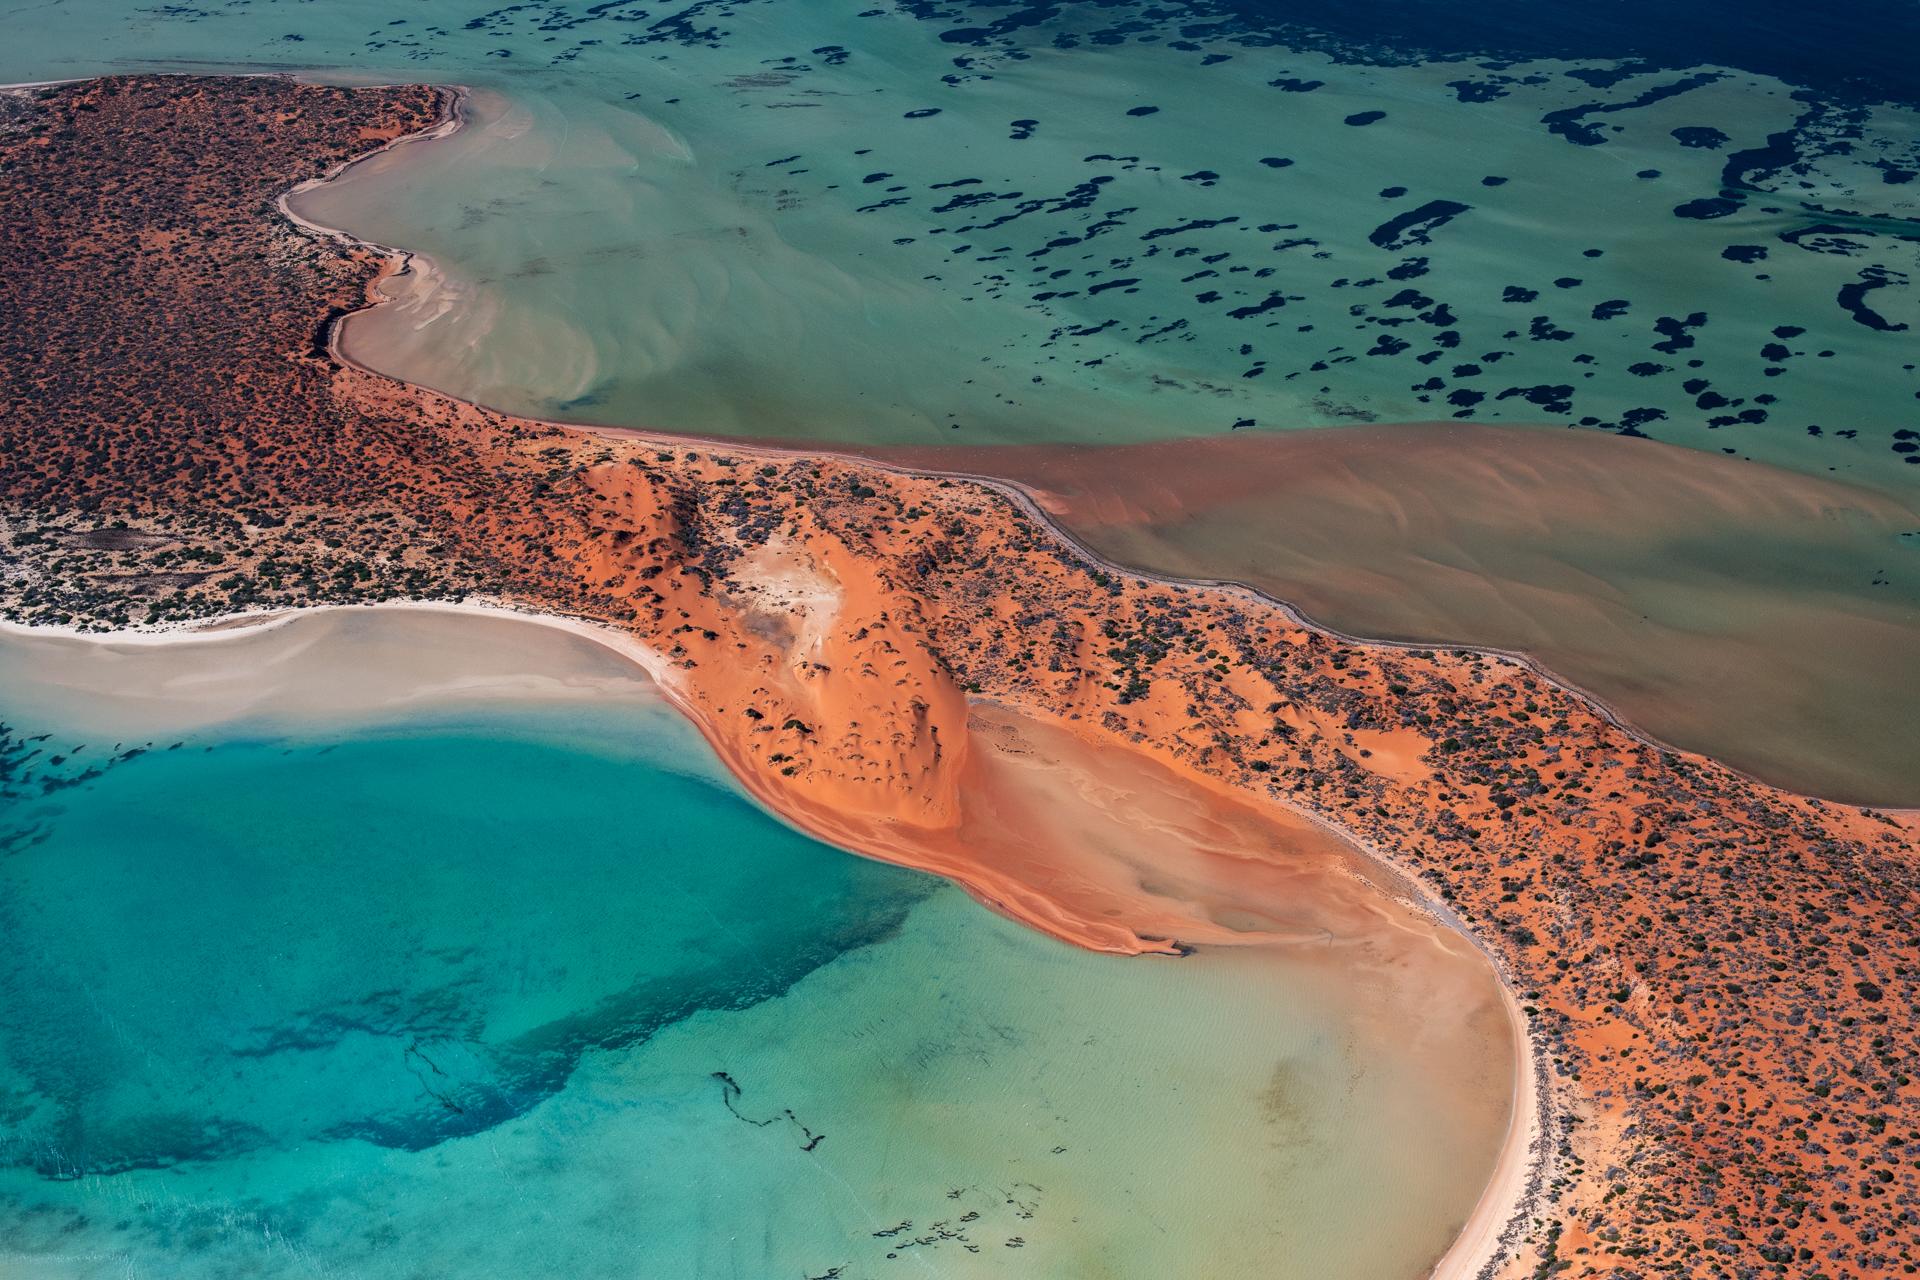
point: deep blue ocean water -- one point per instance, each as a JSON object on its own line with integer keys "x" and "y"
{"x": 1857, "y": 49}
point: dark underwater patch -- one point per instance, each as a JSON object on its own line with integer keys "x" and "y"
{"x": 1703, "y": 136}
{"x": 1416, "y": 226}
{"x": 1853, "y": 298}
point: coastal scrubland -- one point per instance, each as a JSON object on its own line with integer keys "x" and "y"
{"x": 1718, "y": 977}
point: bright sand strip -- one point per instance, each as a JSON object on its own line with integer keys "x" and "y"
{"x": 325, "y": 664}
{"x": 1054, "y": 827}
{"x": 1519, "y": 1171}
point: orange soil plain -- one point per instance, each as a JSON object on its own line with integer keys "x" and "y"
{"x": 1719, "y": 978}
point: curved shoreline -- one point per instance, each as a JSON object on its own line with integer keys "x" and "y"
{"x": 453, "y": 109}
{"x": 1479, "y": 1250}
{"x": 1520, "y": 1171}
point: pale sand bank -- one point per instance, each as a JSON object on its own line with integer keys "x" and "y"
{"x": 327, "y": 664}
{"x": 1518, "y": 1175}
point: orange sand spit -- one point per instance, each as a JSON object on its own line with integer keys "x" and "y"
{"x": 1718, "y": 975}
{"x": 834, "y": 713}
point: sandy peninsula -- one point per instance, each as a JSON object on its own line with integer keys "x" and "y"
{"x": 1712, "y": 972}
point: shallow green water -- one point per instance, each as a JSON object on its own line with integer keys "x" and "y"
{"x": 921, "y": 222}
{"x": 453, "y": 995}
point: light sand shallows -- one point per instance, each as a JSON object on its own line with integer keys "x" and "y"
{"x": 1057, "y": 828}
{"x": 319, "y": 665}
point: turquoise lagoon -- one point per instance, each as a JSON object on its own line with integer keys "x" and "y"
{"x": 508, "y": 980}
{"x": 978, "y": 223}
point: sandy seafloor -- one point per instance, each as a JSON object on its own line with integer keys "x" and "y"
{"x": 1765, "y": 618}
{"x": 422, "y": 951}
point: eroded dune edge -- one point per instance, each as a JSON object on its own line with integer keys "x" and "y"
{"x": 1715, "y": 975}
